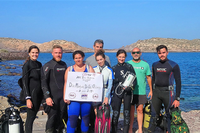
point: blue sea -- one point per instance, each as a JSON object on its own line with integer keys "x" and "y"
{"x": 189, "y": 65}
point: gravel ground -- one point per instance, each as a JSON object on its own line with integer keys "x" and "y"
{"x": 192, "y": 118}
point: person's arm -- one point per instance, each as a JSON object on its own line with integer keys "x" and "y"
{"x": 91, "y": 70}
{"x": 150, "y": 86}
{"x": 149, "y": 80}
{"x": 65, "y": 83}
{"x": 110, "y": 83}
{"x": 45, "y": 73}
{"x": 107, "y": 97}
{"x": 153, "y": 77}
{"x": 25, "y": 80}
{"x": 177, "y": 76}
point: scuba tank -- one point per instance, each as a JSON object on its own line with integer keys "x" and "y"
{"x": 12, "y": 122}
{"x": 147, "y": 116}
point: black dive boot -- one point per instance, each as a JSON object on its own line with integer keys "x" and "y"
{"x": 51, "y": 130}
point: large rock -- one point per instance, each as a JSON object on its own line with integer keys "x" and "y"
{"x": 6, "y": 55}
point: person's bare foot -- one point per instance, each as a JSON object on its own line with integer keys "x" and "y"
{"x": 139, "y": 130}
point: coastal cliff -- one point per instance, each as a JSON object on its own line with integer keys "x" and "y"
{"x": 174, "y": 45}
{"x": 11, "y": 48}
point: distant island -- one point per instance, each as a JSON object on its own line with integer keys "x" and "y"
{"x": 9, "y": 46}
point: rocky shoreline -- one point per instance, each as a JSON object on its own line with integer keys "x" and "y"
{"x": 8, "y": 55}
{"x": 192, "y": 118}
{"x": 147, "y": 45}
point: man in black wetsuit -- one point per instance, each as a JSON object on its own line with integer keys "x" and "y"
{"x": 164, "y": 72}
{"x": 52, "y": 74}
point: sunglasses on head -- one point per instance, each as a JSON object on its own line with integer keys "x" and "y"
{"x": 138, "y": 52}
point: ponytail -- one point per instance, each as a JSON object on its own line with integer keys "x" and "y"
{"x": 27, "y": 59}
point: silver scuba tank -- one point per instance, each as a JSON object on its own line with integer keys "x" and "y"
{"x": 14, "y": 122}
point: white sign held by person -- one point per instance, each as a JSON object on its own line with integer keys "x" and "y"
{"x": 82, "y": 86}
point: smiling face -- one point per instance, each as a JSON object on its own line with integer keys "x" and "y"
{"x": 136, "y": 54}
{"x": 100, "y": 60}
{"x": 162, "y": 54}
{"x": 33, "y": 54}
{"x": 57, "y": 54}
{"x": 121, "y": 58}
{"x": 78, "y": 59}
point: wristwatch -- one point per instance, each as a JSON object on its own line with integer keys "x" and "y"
{"x": 178, "y": 98}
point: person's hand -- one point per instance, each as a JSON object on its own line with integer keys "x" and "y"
{"x": 29, "y": 103}
{"x": 124, "y": 87}
{"x": 176, "y": 103}
{"x": 67, "y": 101}
{"x": 150, "y": 95}
{"x": 49, "y": 101}
{"x": 105, "y": 101}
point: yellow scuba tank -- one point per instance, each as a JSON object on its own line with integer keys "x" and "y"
{"x": 147, "y": 116}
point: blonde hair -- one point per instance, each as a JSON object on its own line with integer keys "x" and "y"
{"x": 57, "y": 46}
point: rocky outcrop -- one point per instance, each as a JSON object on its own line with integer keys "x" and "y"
{"x": 174, "y": 45}
{"x": 6, "y": 55}
{"x": 148, "y": 45}
{"x": 12, "y": 44}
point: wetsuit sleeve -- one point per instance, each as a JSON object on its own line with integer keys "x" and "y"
{"x": 153, "y": 76}
{"x": 25, "y": 80}
{"x": 45, "y": 73}
{"x": 110, "y": 81}
{"x": 115, "y": 80}
{"x": 177, "y": 77}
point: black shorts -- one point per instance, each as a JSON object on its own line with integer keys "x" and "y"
{"x": 139, "y": 99}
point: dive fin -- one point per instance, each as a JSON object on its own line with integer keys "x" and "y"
{"x": 98, "y": 122}
{"x": 106, "y": 119}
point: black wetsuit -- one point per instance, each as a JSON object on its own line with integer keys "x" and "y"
{"x": 32, "y": 88}
{"x": 52, "y": 85}
{"x": 119, "y": 71}
{"x": 163, "y": 75}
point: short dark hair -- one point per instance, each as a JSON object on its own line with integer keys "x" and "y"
{"x": 100, "y": 53}
{"x": 98, "y": 41}
{"x": 78, "y": 52}
{"x": 161, "y": 47}
{"x": 120, "y": 51}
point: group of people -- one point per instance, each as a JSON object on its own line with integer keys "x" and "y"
{"x": 49, "y": 81}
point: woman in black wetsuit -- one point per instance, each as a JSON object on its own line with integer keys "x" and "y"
{"x": 32, "y": 86}
{"x": 121, "y": 92}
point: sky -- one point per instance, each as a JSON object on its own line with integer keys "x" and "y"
{"x": 117, "y": 22}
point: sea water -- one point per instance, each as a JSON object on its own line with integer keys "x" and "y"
{"x": 189, "y": 64}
